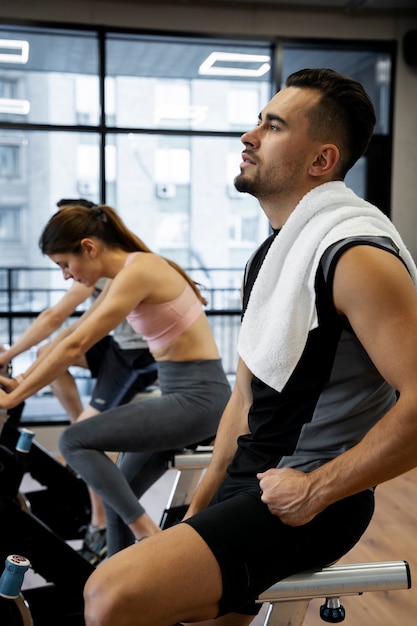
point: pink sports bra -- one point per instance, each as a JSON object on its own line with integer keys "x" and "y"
{"x": 159, "y": 324}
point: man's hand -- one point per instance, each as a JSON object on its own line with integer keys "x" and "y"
{"x": 287, "y": 494}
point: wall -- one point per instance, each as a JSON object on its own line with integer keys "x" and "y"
{"x": 229, "y": 19}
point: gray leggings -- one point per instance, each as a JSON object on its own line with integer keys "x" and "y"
{"x": 194, "y": 394}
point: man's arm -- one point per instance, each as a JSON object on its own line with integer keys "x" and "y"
{"x": 374, "y": 291}
{"x": 47, "y": 322}
{"x": 234, "y": 422}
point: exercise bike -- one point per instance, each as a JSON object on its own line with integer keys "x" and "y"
{"x": 14, "y": 609}
{"x": 24, "y": 533}
{"x": 288, "y": 600}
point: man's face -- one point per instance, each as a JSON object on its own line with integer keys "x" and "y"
{"x": 280, "y": 149}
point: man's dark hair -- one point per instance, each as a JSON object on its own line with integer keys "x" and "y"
{"x": 75, "y": 202}
{"x": 344, "y": 115}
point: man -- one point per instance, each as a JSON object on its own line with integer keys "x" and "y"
{"x": 328, "y": 342}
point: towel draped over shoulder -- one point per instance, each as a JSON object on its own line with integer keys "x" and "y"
{"x": 281, "y": 309}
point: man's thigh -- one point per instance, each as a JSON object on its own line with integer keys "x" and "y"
{"x": 168, "y": 578}
{"x": 254, "y": 548}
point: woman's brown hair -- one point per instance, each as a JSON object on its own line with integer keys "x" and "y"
{"x": 72, "y": 223}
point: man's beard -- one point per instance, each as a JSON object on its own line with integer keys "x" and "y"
{"x": 244, "y": 185}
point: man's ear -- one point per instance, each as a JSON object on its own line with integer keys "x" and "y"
{"x": 325, "y": 161}
{"x": 89, "y": 246}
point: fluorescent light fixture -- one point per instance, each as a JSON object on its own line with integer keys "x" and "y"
{"x": 260, "y": 61}
{"x": 14, "y": 106}
{"x": 14, "y": 51}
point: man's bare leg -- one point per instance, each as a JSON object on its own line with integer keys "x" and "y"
{"x": 170, "y": 578}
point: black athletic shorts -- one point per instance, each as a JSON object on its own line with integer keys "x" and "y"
{"x": 119, "y": 374}
{"x": 255, "y": 549}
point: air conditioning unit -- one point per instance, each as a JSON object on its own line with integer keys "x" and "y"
{"x": 166, "y": 190}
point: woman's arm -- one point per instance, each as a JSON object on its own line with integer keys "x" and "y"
{"x": 48, "y": 321}
{"x": 65, "y": 332}
{"x": 120, "y": 298}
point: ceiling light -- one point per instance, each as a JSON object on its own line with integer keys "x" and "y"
{"x": 14, "y": 106}
{"x": 14, "y": 51}
{"x": 256, "y": 65}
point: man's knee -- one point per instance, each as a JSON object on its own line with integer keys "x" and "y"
{"x": 99, "y": 604}
{"x": 108, "y": 599}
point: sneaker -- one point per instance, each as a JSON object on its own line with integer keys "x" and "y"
{"x": 94, "y": 547}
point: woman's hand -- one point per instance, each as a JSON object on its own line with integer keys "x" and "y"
{"x": 6, "y": 401}
{"x": 4, "y": 359}
{"x": 9, "y": 384}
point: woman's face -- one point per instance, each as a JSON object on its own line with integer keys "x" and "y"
{"x": 80, "y": 267}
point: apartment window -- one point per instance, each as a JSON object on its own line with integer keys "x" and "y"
{"x": 8, "y": 88}
{"x": 9, "y": 224}
{"x": 10, "y": 161}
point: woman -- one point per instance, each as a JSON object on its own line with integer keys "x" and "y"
{"x": 161, "y": 303}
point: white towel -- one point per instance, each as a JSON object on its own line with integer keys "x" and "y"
{"x": 281, "y": 309}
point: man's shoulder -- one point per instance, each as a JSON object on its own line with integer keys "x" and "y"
{"x": 335, "y": 250}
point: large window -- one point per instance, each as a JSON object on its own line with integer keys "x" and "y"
{"x": 371, "y": 66}
{"x": 152, "y": 128}
{"x": 49, "y": 76}
{"x": 178, "y": 108}
{"x": 151, "y": 125}
{"x": 155, "y": 134}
